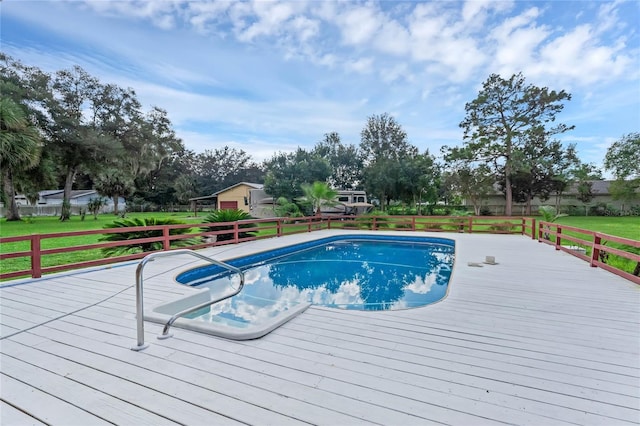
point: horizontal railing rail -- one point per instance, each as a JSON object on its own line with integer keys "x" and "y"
{"x": 41, "y": 253}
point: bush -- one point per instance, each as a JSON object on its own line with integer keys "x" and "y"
{"x": 230, "y": 215}
{"x": 503, "y": 226}
{"x": 486, "y": 211}
{"x": 134, "y": 235}
{"x": 603, "y": 209}
{"x": 575, "y": 211}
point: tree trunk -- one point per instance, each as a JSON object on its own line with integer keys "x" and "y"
{"x": 508, "y": 192}
{"x": 9, "y": 191}
{"x": 527, "y": 212}
{"x": 115, "y": 204}
{"x": 66, "y": 198}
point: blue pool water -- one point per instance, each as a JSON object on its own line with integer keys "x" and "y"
{"x": 363, "y": 272}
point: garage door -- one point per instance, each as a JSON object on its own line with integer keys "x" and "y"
{"x": 228, "y": 205}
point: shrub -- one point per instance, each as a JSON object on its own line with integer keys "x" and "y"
{"x": 603, "y": 209}
{"x": 503, "y": 226}
{"x": 134, "y": 235}
{"x": 486, "y": 211}
{"x": 94, "y": 205}
{"x": 229, "y": 215}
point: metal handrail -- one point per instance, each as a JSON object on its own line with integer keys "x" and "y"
{"x": 139, "y": 292}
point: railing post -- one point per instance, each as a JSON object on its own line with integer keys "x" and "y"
{"x": 373, "y": 224}
{"x": 470, "y": 224}
{"x": 235, "y": 233}
{"x": 309, "y": 222}
{"x": 166, "y": 243}
{"x": 540, "y": 231}
{"x": 279, "y": 227}
{"x": 36, "y": 256}
{"x": 533, "y": 228}
{"x": 558, "y": 237}
{"x": 595, "y": 252}
{"x": 413, "y": 223}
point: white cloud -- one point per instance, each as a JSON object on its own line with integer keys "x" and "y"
{"x": 359, "y": 24}
{"x": 269, "y": 18}
{"x": 575, "y": 56}
{"x": 361, "y": 65}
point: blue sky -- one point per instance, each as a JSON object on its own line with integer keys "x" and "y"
{"x": 269, "y": 76}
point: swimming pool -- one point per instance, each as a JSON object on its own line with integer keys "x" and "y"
{"x": 363, "y": 272}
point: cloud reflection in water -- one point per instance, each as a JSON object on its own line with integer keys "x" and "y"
{"x": 364, "y": 275}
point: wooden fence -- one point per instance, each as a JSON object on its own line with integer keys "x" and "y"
{"x": 42, "y": 245}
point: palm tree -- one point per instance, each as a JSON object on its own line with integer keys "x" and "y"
{"x": 20, "y": 149}
{"x": 549, "y": 214}
{"x": 318, "y": 194}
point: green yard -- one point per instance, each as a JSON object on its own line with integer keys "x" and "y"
{"x": 626, "y": 226}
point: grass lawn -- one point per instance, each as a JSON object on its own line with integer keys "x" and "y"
{"x": 626, "y": 226}
{"x": 51, "y": 224}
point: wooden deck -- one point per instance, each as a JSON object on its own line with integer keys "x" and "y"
{"x": 539, "y": 339}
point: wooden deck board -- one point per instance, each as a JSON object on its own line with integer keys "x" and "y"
{"x": 540, "y": 338}
{"x": 11, "y": 416}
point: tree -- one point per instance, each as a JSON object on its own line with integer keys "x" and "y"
{"x": 583, "y": 176}
{"x": 114, "y": 183}
{"x": 474, "y": 183}
{"x": 345, "y": 161}
{"x": 537, "y": 167}
{"x": 74, "y": 137}
{"x": 286, "y": 172}
{"x": 185, "y": 188}
{"x": 502, "y": 118}
{"x": 383, "y": 137}
{"x": 20, "y": 148}
{"x": 387, "y": 157}
{"x": 419, "y": 179}
{"x": 623, "y": 159}
{"x": 319, "y": 194}
{"x": 222, "y": 167}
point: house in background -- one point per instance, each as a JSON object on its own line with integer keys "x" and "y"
{"x": 237, "y": 196}
{"x": 567, "y": 201}
{"x": 50, "y": 202}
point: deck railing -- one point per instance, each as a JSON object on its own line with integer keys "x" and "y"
{"x": 594, "y": 247}
{"x": 44, "y": 253}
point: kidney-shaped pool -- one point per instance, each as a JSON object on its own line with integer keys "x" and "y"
{"x": 363, "y": 272}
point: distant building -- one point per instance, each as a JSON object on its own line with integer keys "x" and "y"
{"x": 262, "y": 205}
{"x": 237, "y": 196}
{"x": 49, "y": 202}
{"x": 566, "y": 201}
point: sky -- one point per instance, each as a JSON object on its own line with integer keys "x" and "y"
{"x": 272, "y": 76}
